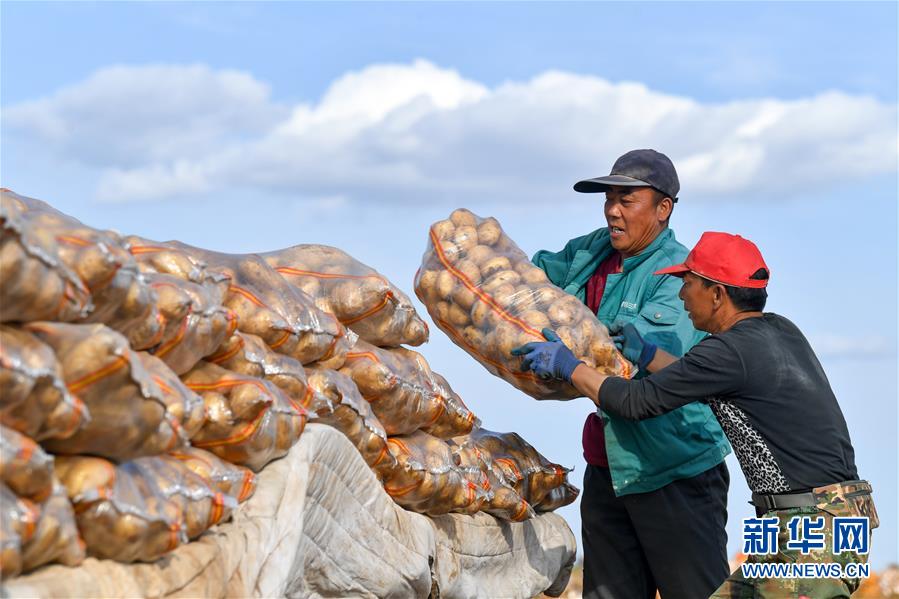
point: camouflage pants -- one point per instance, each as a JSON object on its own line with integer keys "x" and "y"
{"x": 838, "y": 500}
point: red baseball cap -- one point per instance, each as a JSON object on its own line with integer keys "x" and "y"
{"x": 723, "y": 258}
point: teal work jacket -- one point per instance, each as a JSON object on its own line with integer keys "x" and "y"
{"x": 649, "y": 454}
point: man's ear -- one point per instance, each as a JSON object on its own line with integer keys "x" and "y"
{"x": 719, "y": 293}
{"x": 664, "y": 208}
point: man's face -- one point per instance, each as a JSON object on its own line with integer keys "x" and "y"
{"x": 634, "y": 218}
{"x": 699, "y": 301}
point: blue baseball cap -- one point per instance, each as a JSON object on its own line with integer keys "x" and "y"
{"x": 637, "y": 168}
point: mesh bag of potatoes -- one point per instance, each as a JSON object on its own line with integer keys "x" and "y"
{"x": 33, "y": 397}
{"x": 248, "y": 354}
{"x": 230, "y": 479}
{"x": 141, "y": 509}
{"x": 56, "y": 537}
{"x": 165, "y": 258}
{"x": 483, "y": 292}
{"x": 121, "y": 296}
{"x": 427, "y": 478}
{"x": 337, "y": 402}
{"x": 522, "y": 466}
{"x": 18, "y": 520}
{"x": 360, "y": 297}
{"x": 558, "y": 497}
{"x": 129, "y": 413}
{"x": 503, "y": 501}
{"x": 456, "y": 418}
{"x": 35, "y": 284}
{"x": 186, "y": 409}
{"x": 24, "y": 467}
{"x": 249, "y": 421}
{"x": 404, "y": 393}
{"x": 268, "y": 306}
{"x": 195, "y": 323}
{"x": 191, "y": 299}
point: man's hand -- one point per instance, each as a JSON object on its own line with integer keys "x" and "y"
{"x": 629, "y": 342}
{"x": 550, "y": 359}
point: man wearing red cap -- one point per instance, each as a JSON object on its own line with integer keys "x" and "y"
{"x": 766, "y": 387}
{"x": 654, "y": 501}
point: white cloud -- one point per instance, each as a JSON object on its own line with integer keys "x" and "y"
{"x": 124, "y": 116}
{"x": 417, "y": 130}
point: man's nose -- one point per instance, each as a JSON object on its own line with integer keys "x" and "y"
{"x": 612, "y": 210}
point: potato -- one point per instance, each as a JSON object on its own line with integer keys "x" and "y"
{"x": 562, "y": 313}
{"x": 464, "y": 298}
{"x": 465, "y": 238}
{"x": 457, "y": 315}
{"x": 507, "y": 297}
{"x": 480, "y": 254}
{"x": 494, "y": 265}
{"x": 531, "y": 274}
{"x": 500, "y": 278}
{"x": 536, "y": 320}
{"x": 446, "y": 282}
{"x": 462, "y": 218}
{"x": 483, "y": 315}
{"x": 489, "y": 232}
{"x": 443, "y": 229}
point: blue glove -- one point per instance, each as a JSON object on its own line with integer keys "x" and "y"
{"x": 550, "y": 359}
{"x": 629, "y": 342}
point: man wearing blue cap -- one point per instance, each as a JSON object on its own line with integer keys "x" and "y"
{"x": 654, "y": 505}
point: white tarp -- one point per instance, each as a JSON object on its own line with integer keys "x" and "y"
{"x": 320, "y": 525}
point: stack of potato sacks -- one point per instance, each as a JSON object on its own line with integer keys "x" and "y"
{"x": 143, "y": 383}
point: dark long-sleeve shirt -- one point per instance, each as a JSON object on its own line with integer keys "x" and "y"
{"x": 766, "y": 387}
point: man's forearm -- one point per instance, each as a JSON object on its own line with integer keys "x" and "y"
{"x": 588, "y": 381}
{"x": 661, "y": 360}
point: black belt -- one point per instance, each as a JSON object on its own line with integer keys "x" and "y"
{"x": 783, "y": 501}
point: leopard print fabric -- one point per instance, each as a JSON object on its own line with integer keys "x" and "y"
{"x": 763, "y": 475}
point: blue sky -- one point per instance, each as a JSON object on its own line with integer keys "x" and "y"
{"x": 252, "y": 126}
